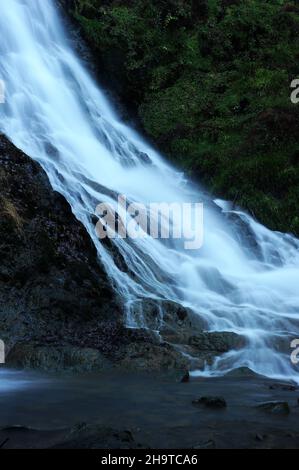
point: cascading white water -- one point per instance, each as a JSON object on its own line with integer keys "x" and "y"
{"x": 245, "y": 279}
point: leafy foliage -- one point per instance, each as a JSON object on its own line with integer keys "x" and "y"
{"x": 210, "y": 80}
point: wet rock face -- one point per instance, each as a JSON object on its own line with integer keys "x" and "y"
{"x": 146, "y": 351}
{"x": 184, "y": 331}
{"x": 57, "y": 358}
{"x": 218, "y": 342}
{"x": 52, "y": 289}
{"x": 174, "y": 322}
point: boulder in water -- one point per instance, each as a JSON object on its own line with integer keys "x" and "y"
{"x": 242, "y": 372}
{"x": 210, "y": 402}
{"x": 285, "y": 387}
{"x": 144, "y": 158}
{"x": 186, "y": 378}
{"x": 275, "y": 407}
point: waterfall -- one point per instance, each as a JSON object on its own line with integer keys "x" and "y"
{"x": 245, "y": 278}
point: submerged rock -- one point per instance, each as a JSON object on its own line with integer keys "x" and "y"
{"x": 144, "y": 158}
{"x": 260, "y": 437}
{"x": 99, "y": 437}
{"x": 242, "y": 372}
{"x": 81, "y": 436}
{"x": 275, "y": 407}
{"x": 210, "y": 402}
{"x": 284, "y": 387}
{"x": 211, "y": 444}
{"x": 186, "y": 378}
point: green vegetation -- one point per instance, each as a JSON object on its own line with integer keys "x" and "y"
{"x": 210, "y": 81}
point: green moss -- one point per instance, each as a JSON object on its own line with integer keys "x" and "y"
{"x": 210, "y": 81}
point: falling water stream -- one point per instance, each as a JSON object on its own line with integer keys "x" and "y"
{"x": 245, "y": 278}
